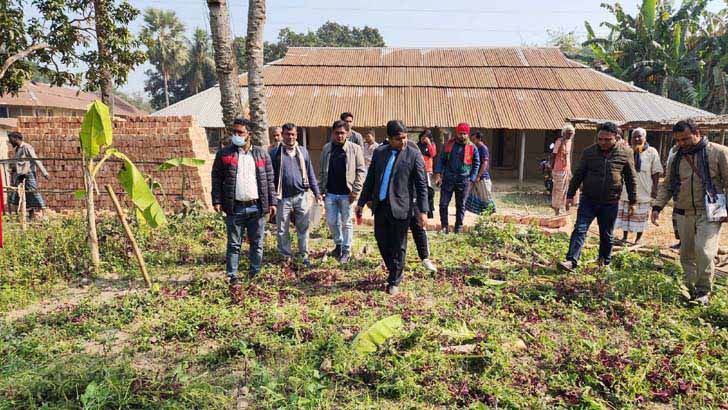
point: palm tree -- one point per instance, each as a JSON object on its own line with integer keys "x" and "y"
{"x": 164, "y": 36}
{"x": 201, "y": 71}
{"x": 256, "y": 88}
{"x": 227, "y": 70}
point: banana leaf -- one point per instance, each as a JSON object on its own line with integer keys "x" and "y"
{"x": 367, "y": 341}
{"x": 139, "y": 192}
{"x": 96, "y": 129}
{"x": 183, "y": 161}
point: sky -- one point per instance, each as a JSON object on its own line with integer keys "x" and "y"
{"x": 407, "y": 23}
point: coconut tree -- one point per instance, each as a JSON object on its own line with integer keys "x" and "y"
{"x": 256, "y": 88}
{"x": 227, "y": 70}
{"x": 167, "y": 47}
{"x": 201, "y": 67}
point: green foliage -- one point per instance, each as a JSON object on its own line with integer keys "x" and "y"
{"x": 139, "y": 192}
{"x": 56, "y": 38}
{"x": 181, "y": 161}
{"x": 368, "y": 340}
{"x": 542, "y": 340}
{"x": 675, "y": 52}
{"x": 96, "y": 129}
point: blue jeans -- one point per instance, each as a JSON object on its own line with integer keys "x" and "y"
{"x": 606, "y": 215}
{"x": 244, "y": 218}
{"x": 338, "y": 217}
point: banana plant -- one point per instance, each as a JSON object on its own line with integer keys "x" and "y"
{"x": 97, "y": 133}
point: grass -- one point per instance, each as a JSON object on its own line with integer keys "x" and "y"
{"x": 489, "y": 330}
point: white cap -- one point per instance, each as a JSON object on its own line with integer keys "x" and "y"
{"x": 640, "y": 131}
{"x": 567, "y": 127}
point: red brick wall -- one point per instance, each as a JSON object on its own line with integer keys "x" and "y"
{"x": 150, "y": 139}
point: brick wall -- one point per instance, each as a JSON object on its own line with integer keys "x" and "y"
{"x": 142, "y": 139}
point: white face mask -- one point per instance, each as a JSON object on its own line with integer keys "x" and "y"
{"x": 238, "y": 140}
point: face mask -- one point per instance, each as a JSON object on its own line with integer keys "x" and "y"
{"x": 238, "y": 140}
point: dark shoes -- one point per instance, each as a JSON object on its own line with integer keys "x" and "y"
{"x": 458, "y": 229}
{"x": 445, "y": 230}
{"x": 336, "y": 252}
{"x": 307, "y": 263}
{"x": 345, "y": 257}
{"x": 232, "y": 280}
{"x": 675, "y": 247}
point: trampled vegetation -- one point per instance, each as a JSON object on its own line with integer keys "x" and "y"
{"x": 492, "y": 329}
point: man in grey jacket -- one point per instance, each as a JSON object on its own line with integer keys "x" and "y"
{"x": 342, "y": 172}
{"x": 353, "y": 136}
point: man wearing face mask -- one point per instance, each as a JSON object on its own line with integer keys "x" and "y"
{"x": 698, "y": 170}
{"x": 396, "y": 186}
{"x": 243, "y": 187}
{"x": 294, "y": 176}
{"x": 602, "y": 170}
{"x": 456, "y": 169}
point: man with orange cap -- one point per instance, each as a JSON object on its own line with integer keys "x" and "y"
{"x": 456, "y": 169}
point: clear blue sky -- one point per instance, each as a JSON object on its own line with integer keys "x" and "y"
{"x": 408, "y": 23}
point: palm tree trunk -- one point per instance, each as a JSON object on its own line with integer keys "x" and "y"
{"x": 256, "y": 88}
{"x": 227, "y": 70}
{"x": 165, "y": 77}
{"x": 102, "y": 34}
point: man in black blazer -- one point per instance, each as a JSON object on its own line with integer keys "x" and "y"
{"x": 395, "y": 182}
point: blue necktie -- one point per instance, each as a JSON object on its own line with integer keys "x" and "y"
{"x": 387, "y": 173}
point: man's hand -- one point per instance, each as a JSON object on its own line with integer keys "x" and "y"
{"x": 272, "y": 211}
{"x": 47, "y": 177}
{"x": 438, "y": 179}
{"x": 358, "y": 211}
{"x": 569, "y": 203}
{"x": 217, "y": 208}
{"x": 426, "y": 140}
{"x": 654, "y": 217}
{"x": 630, "y": 210}
{"x": 423, "y": 220}
{"x": 653, "y": 194}
{"x": 319, "y": 199}
{"x": 352, "y": 197}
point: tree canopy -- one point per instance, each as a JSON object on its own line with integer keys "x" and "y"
{"x": 56, "y": 43}
{"x": 680, "y": 53}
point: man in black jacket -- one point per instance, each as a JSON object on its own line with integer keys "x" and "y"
{"x": 243, "y": 188}
{"x": 603, "y": 169}
{"x": 395, "y": 179}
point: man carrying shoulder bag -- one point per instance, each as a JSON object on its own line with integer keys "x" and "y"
{"x": 696, "y": 180}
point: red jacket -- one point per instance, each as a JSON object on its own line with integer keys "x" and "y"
{"x": 429, "y": 151}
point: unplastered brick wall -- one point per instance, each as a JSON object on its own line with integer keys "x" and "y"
{"x": 147, "y": 141}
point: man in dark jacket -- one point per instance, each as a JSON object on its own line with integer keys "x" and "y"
{"x": 243, "y": 188}
{"x": 294, "y": 176}
{"x": 395, "y": 181}
{"x": 602, "y": 170}
{"x": 456, "y": 170}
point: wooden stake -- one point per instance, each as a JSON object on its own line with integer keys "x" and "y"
{"x": 22, "y": 208}
{"x": 522, "y": 160}
{"x": 130, "y": 235}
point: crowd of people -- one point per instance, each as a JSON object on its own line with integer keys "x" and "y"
{"x": 394, "y": 178}
{"x": 616, "y": 181}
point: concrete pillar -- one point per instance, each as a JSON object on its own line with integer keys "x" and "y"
{"x": 522, "y": 160}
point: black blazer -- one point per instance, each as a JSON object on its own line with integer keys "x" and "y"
{"x": 407, "y": 186}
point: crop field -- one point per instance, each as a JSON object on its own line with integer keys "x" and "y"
{"x": 496, "y": 327}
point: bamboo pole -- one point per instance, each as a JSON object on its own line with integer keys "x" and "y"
{"x": 522, "y": 160}
{"x": 130, "y": 235}
{"x": 93, "y": 239}
{"x": 22, "y": 206}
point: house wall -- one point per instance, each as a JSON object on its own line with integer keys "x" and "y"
{"x": 148, "y": 141}
{"x": 14, "y": 111}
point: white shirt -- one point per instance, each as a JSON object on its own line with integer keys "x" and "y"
{"x": 246, "y": 185}
{"x": 651, "y": 165}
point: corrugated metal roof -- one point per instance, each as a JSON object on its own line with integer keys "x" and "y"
{"x": 35, "y": 94}
{"x": 512, "y": 88}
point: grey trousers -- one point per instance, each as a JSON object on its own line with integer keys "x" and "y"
{"x": 698, "y": 248}
{"x": 299, "y": 206}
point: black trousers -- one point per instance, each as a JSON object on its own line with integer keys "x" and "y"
{"x": 420, "y": 237}
{"x": 391, "y": 236}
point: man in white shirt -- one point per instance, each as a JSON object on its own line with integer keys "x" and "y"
{"x": 243, "y": 188}
{"x": 649, "y": 168}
